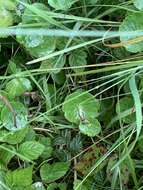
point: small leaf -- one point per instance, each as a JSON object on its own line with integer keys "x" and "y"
{"x": 6, "y": 156}
{"x": 78, "y": 59}
{"x": 123, "y": 105}
{"x": 133, "y": 22}
{"x": 6, "y": 18}
{"x": 53, "y": 65}
{"x": 80, "y": 105}
{"x": 47, "y": 147}
{"x": 37, "y": 46}
{"x": 61, "y": 4}
{"x": 13, "y": 137}
{"x": 138, "y": 4}
{"x": 18, "y": 86}
{"x": 31, "y": 149}
{"x": 50, "y": 173}
{"x": 19, "y": 177}
{"x": 8, "y": 119}
{"x": 90, "y": 127}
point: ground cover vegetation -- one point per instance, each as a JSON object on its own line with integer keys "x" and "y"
{"x": 71, "y": 94}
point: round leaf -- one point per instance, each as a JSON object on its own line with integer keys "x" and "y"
{"x": 53, "y": 65}
{"x": 78, "y": 59}
{"x": 138, "y": 4}
{"x": 123, "y": 105}
{"x": 18, "y": 86}
{"x": 7, "y": 116}
{"x": 133, "y": 22}
{"x": 6, "y": 18}
{"x": 50, "y": 173}
{"x": 90, "y": 128}
{"x": 80, "y": 105}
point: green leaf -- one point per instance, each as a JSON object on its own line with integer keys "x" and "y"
{"x": 19, "y": 177}
{"x": 78, "y": 59}
{"x": 18, "y": 115}
{"x": 53, "y": 65}
{"x": 18, "y": 86}
{"x": 13, "y": 137}
{"x": 8, "y": 4}
{"x": 46, "y": 141}
{"x": 6, "y": 18}
{"x": 50, "y": 173}
{"x": 37, "y": 45}
{"x": 79, "y": 106}
{"x": 31, "y": 149}
{"x": 123, "y": 105}
{"x": 133, "y": 22}
{"x": 90, "y": 127}
{"x": 6, "y": 156}
{"x": 30, "y": 16}
{"x": 138, "y": 4}
{"x": 61, "y": 4}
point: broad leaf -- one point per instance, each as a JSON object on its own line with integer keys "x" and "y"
{"x": 80, "y": 106}
{"x": 6, "y": 156}
{"x": 78, "y": 59}
{"x": 31, "y": 149}
{"x": 37, "y": 45}
{"x": 53, "y": 65}
{"x": 13, "y": 137}
{"x": 16, "y": 118}
{"x": 18, "y": 86}
{"x": 50, "y": 173}
{"x": 90, "y": 127}
{"x": 123, "y": 105}
{"x": 46, "y": 141}
{"x": 19, "y": 177}
{"x": 138, "y": 4}
{"x": 133, "y": 22}
{"x": 6, "y": 18}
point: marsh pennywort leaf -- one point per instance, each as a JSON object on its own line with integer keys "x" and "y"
{"x": 78, "y": 59}
{"x": 138, "y": 4}
{"x": 53, "y": 65}
{"x": 132, "y": 22}
{"x": 80, "y": 105}
{"x": 18, "y": 86}
{"x": 19, "y": 177}
{"x": 30, "y": 16}
{"x": 51, "y": 172}
{"x": 90, "y": 127}
{"x": 37, "y": 45}
{"x": 8, "y": 119}
{"x": 61, "y": 4}
{"x": 123, "y": 105}
{"x": 31, "y": 149}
